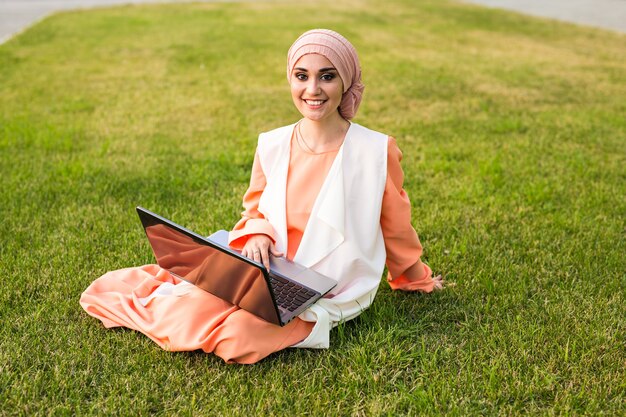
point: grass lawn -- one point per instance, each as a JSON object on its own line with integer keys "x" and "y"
{"x": 514, "y": 138}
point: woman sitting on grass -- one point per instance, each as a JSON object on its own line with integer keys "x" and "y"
{"x": 324, "y": 192}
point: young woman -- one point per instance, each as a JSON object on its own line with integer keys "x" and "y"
{"x": 324, "y": 192}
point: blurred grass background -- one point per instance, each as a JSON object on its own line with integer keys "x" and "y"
{"x": 514, "y": 141}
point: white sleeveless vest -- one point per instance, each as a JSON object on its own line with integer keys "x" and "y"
{"x": 343, "y": 238}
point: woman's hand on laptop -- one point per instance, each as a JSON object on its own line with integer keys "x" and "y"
{"x": 258, "y": 248}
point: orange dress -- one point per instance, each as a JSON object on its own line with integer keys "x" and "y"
{"x": 406, "y": 271}
{"x": 181, "y": 317}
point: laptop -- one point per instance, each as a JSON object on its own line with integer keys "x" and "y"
{"x": 277, "y": 295}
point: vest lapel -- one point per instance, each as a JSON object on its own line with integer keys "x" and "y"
{"x": 273, "y": 201}
{"x": 325, "y": 229}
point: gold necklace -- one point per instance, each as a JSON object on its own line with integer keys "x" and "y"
{"x": 300, "y": 138}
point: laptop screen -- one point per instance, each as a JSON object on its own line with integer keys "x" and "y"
{"x": 223, "y": 275}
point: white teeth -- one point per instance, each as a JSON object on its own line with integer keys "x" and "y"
{"x": 314, "y": 102}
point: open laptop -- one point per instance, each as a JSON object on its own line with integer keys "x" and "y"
{"x": 277, "y": 295}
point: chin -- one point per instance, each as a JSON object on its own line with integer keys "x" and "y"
{"x": 315, "y": 116}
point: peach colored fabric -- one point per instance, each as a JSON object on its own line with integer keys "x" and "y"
{"x": 302, "y": 188}
{"x": 406, "y": 271}
{"x": 194, "y": 320}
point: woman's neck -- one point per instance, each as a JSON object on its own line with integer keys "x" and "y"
{"x": 324, "y": 135}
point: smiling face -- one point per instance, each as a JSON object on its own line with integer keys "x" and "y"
{"x": 316, "y": 88}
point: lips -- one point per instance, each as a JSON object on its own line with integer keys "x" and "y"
{"x": 314, "y": 103}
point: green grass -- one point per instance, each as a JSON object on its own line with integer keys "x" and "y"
{"x": 514, "y": 138}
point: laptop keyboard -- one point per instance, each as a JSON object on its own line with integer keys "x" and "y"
{"x": 289, "y": 295}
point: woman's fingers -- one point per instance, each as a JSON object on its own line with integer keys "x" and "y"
{"x": 259, "y": 248}
{"x": 275, "y": 251}
{"x": 265, "y": 259}
{"x": 256, "y": 255}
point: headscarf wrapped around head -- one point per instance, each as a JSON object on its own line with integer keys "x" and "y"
{"x": 340, "y": 52}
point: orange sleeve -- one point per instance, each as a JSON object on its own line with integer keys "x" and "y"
{"x": 252, "y": 222}
{"x": 406, "y": 270}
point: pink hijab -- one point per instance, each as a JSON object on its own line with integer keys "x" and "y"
{"x": 340, "y": 52}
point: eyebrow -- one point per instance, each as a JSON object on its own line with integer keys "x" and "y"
{"x": 321, "y": 69}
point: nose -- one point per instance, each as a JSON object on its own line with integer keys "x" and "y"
{"x": 313, "y": 87}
